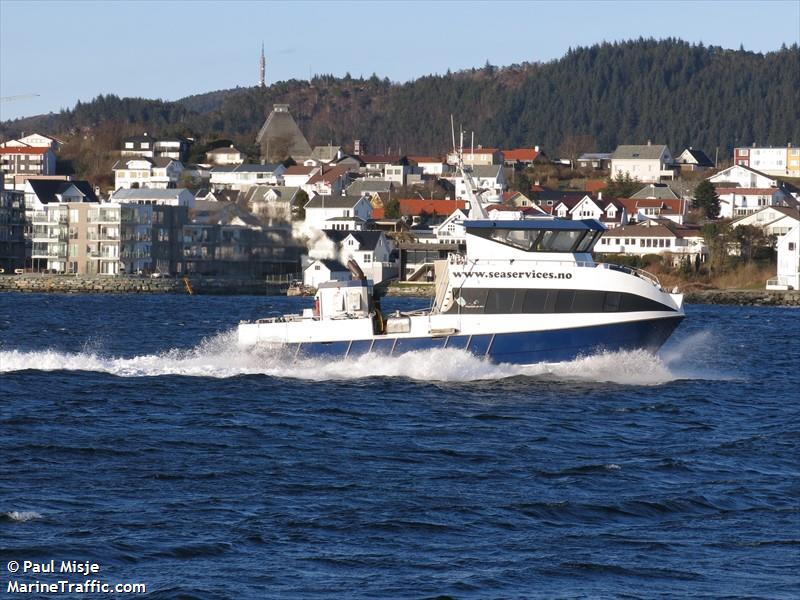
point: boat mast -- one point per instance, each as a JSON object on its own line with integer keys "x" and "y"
{"x": 476, "y": 210}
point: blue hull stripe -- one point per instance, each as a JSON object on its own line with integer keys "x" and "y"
{"x": 523, "y": 348}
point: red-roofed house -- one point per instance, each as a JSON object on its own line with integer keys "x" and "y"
{"x": 298, "y": 175}
{"x": 328, "y": 182}
{"x": 27, "y": 160}
{"x": 641, "y": 209}
{"x": 523, "y": 157}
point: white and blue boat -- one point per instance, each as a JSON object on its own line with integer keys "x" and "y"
{"x": 525, "y": 291}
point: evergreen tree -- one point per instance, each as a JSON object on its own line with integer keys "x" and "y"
{"x": 706, "y": 199}
{"x": 622, "y": 186}
{"x": 392, "y": 208}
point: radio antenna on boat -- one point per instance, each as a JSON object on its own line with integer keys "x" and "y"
{"x": 476, "y": 210}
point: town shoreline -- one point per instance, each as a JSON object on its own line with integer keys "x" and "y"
{"x": 228, "y": 286}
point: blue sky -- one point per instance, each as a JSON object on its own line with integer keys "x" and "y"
{"x": 69, "y": 51}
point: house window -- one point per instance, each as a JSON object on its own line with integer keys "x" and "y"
{"x": 367, "y": 258}
{"x": 791, "y": 246}
{"x": 316, "y": 267}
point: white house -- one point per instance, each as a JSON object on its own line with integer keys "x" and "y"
{"x": 298, "y": 175}
{"x": 272, "y": 202}
{"x": 166, "y": 197}
{"x": 322, "y": 270}
{"x": 645, "y": 162}
{"x": 371, "y": 250}
{"x": 490, "y": 179}
{"x": 327, "y": 181}
{"x": 34, "y": 140}
{"x": 322, "y": 208}
{"x": 451, "y": 230}
{"x": 693, "y": 160}
{"x": 643, "y": 209}
{"x": 431, "y": 165}
{"x": 146, "y": 172}
{"x": 241, "y": 177}
{"x": 744, "y": 177}
{"x": 788, "y": 276}
{"x": 774, "y": 220}
{"x": 41, "y": 193}
{"x": 654, "y": 237}
{"x": 737, "y": 202}
{"x": 229, "y": 155}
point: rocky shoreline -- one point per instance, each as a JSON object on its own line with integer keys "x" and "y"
{"x": 227, "y": 286}
{"x": 745, "y": 297}
{"x": 98, "y": 284}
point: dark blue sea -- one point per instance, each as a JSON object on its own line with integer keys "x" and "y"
{"x": 135, "y": 434}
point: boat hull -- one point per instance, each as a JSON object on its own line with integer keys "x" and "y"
{"x": 524, "y": 347}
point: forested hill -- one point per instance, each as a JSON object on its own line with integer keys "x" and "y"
{"x": 667, "y": 91}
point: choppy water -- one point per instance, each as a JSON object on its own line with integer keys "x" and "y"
{"x": 133, "y": 432}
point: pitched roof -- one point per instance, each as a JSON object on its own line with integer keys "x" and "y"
{"x": 655, "y": 190}
{"x": 46, "y": 189}
{"x": 368, "y": 240}
{"x": 300, "y": 170}
{"x": 667, "y": 205}
{"x": 333, "y": 202}
{"x": 259, "y": 192}
{"x": 330, "y": 175}
{"x": 486, "y": 170}
{"x": 279, "y": 127}
{"x": 660, "y": 228}
{"x": 331, "y": 264}
{"x": 698, "y": 157}
{"x": 359, "y": 186}
{"x": 247, "y": 168}
{"x": 147, "y": 193}
{"x": 521, "y": 154}
{"x": 785, "y": 211}
{"x": 643, "y": 152}
{"x": 419, "y": 206}
{"x": 225, "y": 150}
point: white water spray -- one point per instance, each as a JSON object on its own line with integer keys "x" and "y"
{"x": 221, "y": 356}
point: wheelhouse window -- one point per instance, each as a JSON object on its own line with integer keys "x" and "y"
{"x": 542, "y": 240}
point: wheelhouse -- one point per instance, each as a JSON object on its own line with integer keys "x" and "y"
{"x": 540, "y": 235}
